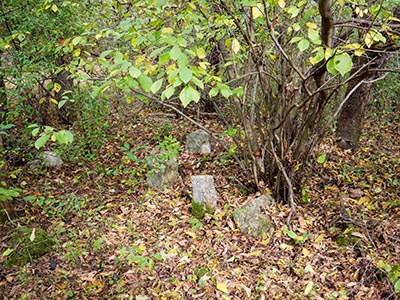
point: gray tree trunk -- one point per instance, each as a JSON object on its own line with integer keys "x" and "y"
{"x": 351, "y": 118}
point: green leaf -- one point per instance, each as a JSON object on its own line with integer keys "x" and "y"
{"x": 156, "y": 86}
{"x": 319, "y": 56}
{"x": 64, "y": 136}
{"x": 293, "y": 11}
{"x": 343, "y": 63}
{"x": 213, "y": 92}
{"x": 134, "y": 72}
{"x": 97, "y": 243}
{"x": 7, "y": 252}
{"x": 303, "y": 44}
{"x": 225, "y": 91}
{"x": 313, "y": 35}
{"x": 189, "y": 94}
{"x": 330, "y": 66}
{"x": 168, "y": 92}
{"x": 397, "y": 286}
{"x": 164, "y": 58}
{"x": 322, "y": 158}
{"x": 41, "y": 141}
{"x": 175, "y": 52}
{"x": 185, "y": 74}
{"x": 198, "y": 83}
{"x": 145, "y": 82}
{"x": 292, "y": 235}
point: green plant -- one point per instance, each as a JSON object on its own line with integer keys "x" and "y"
{"x": 393, "y": 273}
{"x": 66, "y": 206}
{"x": 7, "y": 194}
{"x": 169, "y": 148}
{"x": 133, "y": 255}
{"x": 196, "y": 224}
{"x": 47, "y": 132}
{"x": 301, "y": 239}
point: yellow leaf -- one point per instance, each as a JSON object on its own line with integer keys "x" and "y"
{"x": 41, "y": 100}
{"x": 308, "y": 288}
{"x": 305, "y": 252}
{"x": 167, "y": 30}
{"x": 235, "y": 46}
{"x": 53, "y": 138}
{"x": 393, "y": 19}
{"x": 362, "y": 200}
{"x": 256, "y": 11}
{"x": 222, "y": 287}
{"x": 341, "y": 3}
{"x": 53, "y": 101}
{"x": 359, "y": 52}
{"x": 56, "y": 87}
{"x": 54, "y": 8}
{"x": 255, "y": 253}
{"x": 204, "y": 65}
{"x": 311, "y": 25}
{"x": 369, "y": 39}
{"x": 191, "y": 234}
{"x": 320, "y": 238}
{"x": 200, "y": 53}
{"x": 281, "y": 3}
{"x": 328, "y": 53}
{"x": 129, "y": 99}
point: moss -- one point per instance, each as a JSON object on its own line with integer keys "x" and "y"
{"x": 199, "y": 210}
{"x": 345, "y": 240}
{"x": 26, "y": 250}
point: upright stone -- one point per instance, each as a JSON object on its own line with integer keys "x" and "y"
{"x": 198, "y": 142}
{"x": 204, "y": 195}
{"x": 161, "y": 171}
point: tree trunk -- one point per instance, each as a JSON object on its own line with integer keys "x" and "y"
{"x": 3, "y": 94}
{"x": 351, "y": 118}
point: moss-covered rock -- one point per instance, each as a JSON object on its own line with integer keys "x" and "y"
{"x": 28, "y": 246}
{"x": 250, "y": 218}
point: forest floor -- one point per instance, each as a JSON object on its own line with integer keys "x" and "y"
{"x": 117, "y": 238}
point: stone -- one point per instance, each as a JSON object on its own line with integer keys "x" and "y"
{"x": 51, "y": 159}
{"x": 28, "y": 244}
{"x": 204, "y": 195}
{"x": 251, "y": 219}
{"x": 198, "y": 142}
{"x": 161, "y": 171}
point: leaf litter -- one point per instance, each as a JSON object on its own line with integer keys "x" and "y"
{"x": 116, "y": 238}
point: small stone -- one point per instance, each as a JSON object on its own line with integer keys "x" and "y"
{"x": 50, "y": 159}
{"x": 251, "y": 219}
{"x": 162, "y": 172}
{"x": 198, "y": 142}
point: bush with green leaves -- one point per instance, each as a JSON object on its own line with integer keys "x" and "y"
{"x": 271, "y": 68}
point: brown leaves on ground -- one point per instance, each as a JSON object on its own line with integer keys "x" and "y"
{"x": 118, "y": 239}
